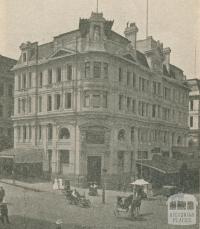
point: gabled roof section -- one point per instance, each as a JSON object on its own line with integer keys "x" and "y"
{"x": 142, "y": 59}
{"x": 129, "y": 57}
{"x": 61, "y": 52}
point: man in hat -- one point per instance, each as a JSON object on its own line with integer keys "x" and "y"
{"x": 4, "y": 212}
{"x": 58, "y": 223}
{"x": 2, "y": 194}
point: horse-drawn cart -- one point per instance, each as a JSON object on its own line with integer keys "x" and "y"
{"x": 128, "y": 205}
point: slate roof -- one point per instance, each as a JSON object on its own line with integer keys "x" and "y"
{"x": 45, "y": 50}
{"x": 169, "y": 165}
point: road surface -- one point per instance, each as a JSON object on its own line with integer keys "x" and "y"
{"x": 40, "y": 210}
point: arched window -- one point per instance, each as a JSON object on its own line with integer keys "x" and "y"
{"x": 121, "y": 135}
{"x": 50, "y": 131}
{"x": 64, "y": 133}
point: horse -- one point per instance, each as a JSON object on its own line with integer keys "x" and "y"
{"x": 135, "y": 206}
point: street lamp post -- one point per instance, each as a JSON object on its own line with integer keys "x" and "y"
{"x": 13, "y": 170}
{"x": 103, "y": 187}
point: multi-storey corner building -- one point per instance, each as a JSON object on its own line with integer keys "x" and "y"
{"x": 194, "y": 114}
{"x": 6, "y": 96}
{"x": 95, "y": 101}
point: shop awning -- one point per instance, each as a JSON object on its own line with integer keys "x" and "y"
{"x": 169, "y": 165}
{"x": 23, "y": 155}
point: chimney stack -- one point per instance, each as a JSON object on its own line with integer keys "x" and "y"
{"x": 131, "y": 33}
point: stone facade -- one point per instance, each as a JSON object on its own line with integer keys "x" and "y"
{"x": 96, "y": 101}
{"x": 6, "y": 96}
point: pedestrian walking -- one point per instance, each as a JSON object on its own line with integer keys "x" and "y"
{"x": 2, "y": 194}
{"x": 4, "y": 213}
{"x": 59, "y": 223}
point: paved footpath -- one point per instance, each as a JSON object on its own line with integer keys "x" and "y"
{"x": 37, "y": 187}
{"x": 48, "y": 187}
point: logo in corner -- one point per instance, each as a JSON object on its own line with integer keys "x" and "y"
{"x": 182, "y": 209}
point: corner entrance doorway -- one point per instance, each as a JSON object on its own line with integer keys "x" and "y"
{"x": 94, "y": 169}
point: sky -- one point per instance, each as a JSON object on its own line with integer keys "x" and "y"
{"x": 176, "y": 23}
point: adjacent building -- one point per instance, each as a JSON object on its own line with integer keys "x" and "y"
{"x": 93, "y": 102}
{"x": 194, "y": 116}
{"x": 6, "y": 109}
{"x": 6, "y": 95}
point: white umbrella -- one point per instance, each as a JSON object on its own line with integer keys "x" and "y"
{"x": 140, "y": 182}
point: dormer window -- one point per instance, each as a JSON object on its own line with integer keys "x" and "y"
{"x": 24, "y": 57}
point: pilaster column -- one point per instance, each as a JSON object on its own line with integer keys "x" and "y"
{"x": 34, "y": 129}
{"x": 15, "y": 136}
{"x": 135, "y": 151}
{"x": 55, "y": 156}
{"x": 27, "y": 133}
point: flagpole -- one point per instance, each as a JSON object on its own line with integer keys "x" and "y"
{"x": 195, "y": 60}
{"x": 147, "y": 17}
{"x": 97, "y": 6}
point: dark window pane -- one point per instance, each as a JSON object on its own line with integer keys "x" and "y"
{"x": 105, "y": 70}
{"x": 64, "y": 156}
{"x": 58, "y": 75}
{"x": 50, "y": 76}
{"x": 68, "y": 100}
{"x": 87, "y": 70}
{"x": 97, "y": 69}
{"x": 69, "y": 72}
